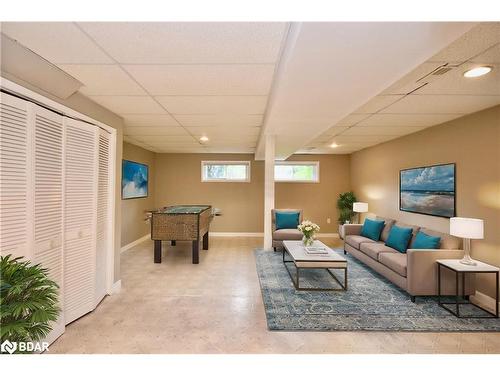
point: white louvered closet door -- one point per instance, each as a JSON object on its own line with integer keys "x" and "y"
{"x": 103, "y": 214}
{"x": 48, "y": 201}
{"x": 80, "y": 201}
{"x": 15, "y": 225}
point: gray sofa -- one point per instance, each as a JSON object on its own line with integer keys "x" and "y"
{"x": 280, "y": 235}
{"x": 415, "y": 271}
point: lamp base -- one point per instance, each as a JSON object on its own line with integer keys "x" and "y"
{"x": 468, "y": 260}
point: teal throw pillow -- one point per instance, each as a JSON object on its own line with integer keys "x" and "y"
{"x": 424, "y": 241}
{"x": 372, "y": 229}
{"x": 287, "y": 220}
{"x": 399, "y": 238}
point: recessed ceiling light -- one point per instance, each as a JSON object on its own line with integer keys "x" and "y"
{"x": 477, "y": 71}
{"x": 204, "y": 139}
{"x": 334, "y": 145}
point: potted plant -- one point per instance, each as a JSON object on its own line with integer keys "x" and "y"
{"x": 28, "y": 299}
{"x": 344, "y": 205}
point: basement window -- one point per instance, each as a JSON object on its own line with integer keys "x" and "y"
{"x": 225, "y": 171}
{"x": 296, "y": 171}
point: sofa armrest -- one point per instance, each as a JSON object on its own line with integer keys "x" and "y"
{"x": 352, "y": 229}
{"x": 422, "y": 272}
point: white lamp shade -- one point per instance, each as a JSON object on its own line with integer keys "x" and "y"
{"x": 466, "y": 227}
{"x": 360, "y": 207}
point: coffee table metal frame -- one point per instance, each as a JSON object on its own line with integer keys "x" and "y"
{"x": 296, "y": 279}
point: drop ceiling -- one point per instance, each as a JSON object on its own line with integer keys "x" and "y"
{"x": 235, "y": 82}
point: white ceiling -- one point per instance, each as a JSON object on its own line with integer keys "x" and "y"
{"x": 349, "y": 83}
{"x": 171, "y": 82}
{"x": 398, "y": 110}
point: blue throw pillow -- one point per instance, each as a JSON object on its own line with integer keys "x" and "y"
{"x": 287, "y": 220}
{"x": 399, "y": 238}
{"x": 372, "y": 229}
{"x": 424, "y": 241}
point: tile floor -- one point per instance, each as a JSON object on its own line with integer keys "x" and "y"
{"x": 216, "y": 307}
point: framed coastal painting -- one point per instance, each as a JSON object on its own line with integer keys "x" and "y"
{"x": 134, "y": 180}
{"x": 428, "y": 190}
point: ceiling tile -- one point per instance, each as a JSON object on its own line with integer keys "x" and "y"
{"x": 123, "y": 105}
{"x": 471, "y": 43}
{"x": 203, "y": 79}
{"x": 352, "y": 119}
{"x": 442, "y": 104}
{"x": 214, "y": 104}
{"x": 454, "y": 83}
{"x": 334, "y": 130}
{"x": 382, "y": 130}
{"x": 149, "y": 120}
{"x": 189, "y": 42}
{"x": 490, "y": 56}
{"x": 103, "y": 80}
{"x": 212, "y": 131}
{"x": 388, "y": 119}
{"x": 220, "y": 120}
{"x": 410, "y": 81}
{"x": 58, "y": 42}
{"x": 231, "y": 149}
{"x": 365, "y": 139}
{"x": 154, "y": 130}
{"x": 378, "y": 103}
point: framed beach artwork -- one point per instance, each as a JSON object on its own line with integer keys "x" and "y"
{"x": 428, "y": 190}
{"x": 134, "y": 180}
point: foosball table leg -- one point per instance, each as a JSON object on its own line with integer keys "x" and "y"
{"x": 157, "y": 251}
{"x": 196, "y": 251}
{"x": 205, "y": 241}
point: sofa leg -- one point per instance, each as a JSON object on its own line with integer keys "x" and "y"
{"x": 345, "y": 252}
{"x": 412, "y": 298}
{"x": 274, "y": 247}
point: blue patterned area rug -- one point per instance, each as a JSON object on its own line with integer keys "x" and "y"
{"x": 371, "y": 303}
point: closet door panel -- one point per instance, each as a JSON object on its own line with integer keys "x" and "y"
{"x": 14, "y": 176}
{"x": 103, "y": 214}
{"x": 48, "y": 201}
{"x": 80, "y": 218}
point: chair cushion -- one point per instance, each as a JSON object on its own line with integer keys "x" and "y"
{"x": 447, "y": 240}
{"x": 373, "y": 250}
{"x": 424, "y": 241}
{"x": 395, "y": 261}
{"x": 287, "y": 234}
{"x": 287, "y": 220}
{"x": 355, "y": 240}
{"x": 399, "y": 238}
{"x": 372, "y": 229}
{"x": 387, "y": 227}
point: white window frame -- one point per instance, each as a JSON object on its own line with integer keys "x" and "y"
{"x": 247, "y": 163}
{"x": 313, "y": 163}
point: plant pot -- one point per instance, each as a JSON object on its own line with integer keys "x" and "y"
{"x": 341, "y": 231}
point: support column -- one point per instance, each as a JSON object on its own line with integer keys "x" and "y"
{"x": 268, "y": 189}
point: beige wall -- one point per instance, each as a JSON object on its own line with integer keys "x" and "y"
{"x": 318, "y": 200}
{"x": 133, "y": 210}
{"x": 82, "y": 104}
{"x": 473, "y": 143}
{"x": 242, "y": 203}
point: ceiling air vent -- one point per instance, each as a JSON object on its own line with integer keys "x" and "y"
{"x": 441, "y": 70}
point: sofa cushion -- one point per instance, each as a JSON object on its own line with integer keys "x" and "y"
{"x": 287, "y": 220}
{"x": 355, "y": 241}
{"x": 399, "y": 238}
{"x": 424, "y": 241}
{"x": 447, "y": 241}
{"x": 395, "y": 261}
{"x": 387, "y": 227}
{"x": 414, "y": 228}
{"x": 374, "y": 249}
{"x": 287, "y": 234}
{"x": 372, "y": 229}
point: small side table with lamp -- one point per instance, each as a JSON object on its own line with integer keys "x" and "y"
{"x": 466, "y": 228}
{"x": 360, "y": 207}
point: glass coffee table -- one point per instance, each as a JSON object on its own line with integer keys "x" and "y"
{"x": 303, "y": 260}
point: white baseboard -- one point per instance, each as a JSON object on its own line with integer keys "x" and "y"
{"x": 484, "y": 301}
{"x": 136, "y": 242}
{"x": 117, "y": 287}
{"x": 236, "y": 234}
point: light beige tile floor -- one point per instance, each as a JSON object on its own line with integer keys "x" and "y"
{"x": 216, "y": 307}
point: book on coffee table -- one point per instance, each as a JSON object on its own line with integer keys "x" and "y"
{"x": 316, "y": 250}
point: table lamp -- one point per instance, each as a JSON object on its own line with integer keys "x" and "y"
{"x": 360, "y": 207}
{"x": 468, "y": 229}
